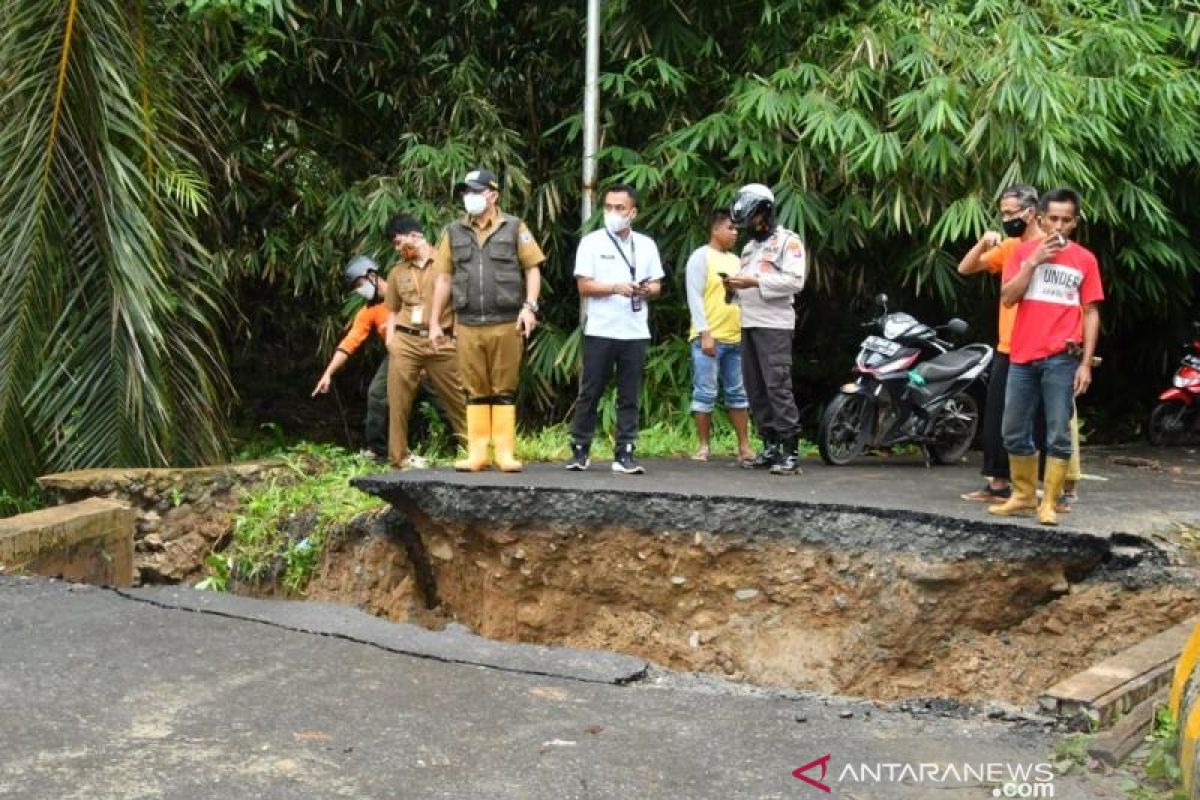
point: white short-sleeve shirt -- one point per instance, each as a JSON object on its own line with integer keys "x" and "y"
{"x": 602, "y": 259}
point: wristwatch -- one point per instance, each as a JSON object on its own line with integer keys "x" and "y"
{"x": 531, "y": 306}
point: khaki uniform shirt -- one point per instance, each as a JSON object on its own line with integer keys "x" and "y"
{"x": 529, "y": 254}
{"x": 410, "y": 294}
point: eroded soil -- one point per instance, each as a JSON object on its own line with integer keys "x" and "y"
{"x": 877, "y": 625}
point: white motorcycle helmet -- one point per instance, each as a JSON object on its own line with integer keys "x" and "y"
{"x": 751, "y": 200}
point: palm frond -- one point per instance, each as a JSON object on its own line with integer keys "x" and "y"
{"x": 108, "y": 350}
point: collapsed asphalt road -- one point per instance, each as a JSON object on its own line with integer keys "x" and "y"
{"x": 106, "y": 695}
{"x": 1128, "y": 491}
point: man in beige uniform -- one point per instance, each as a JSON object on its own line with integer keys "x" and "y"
{"x": 481, "y": 260}
{"x": 408, "y": 297}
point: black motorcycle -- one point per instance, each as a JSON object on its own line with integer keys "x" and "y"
{"x": 911, "y": 389}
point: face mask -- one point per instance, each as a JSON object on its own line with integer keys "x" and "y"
{"x": 1014, "y": 227}
{"x": 615, "y": 222}
{"x": 367, "y": 291}
{"x": 475, "y": 204}
{"x": 760, "y": 231}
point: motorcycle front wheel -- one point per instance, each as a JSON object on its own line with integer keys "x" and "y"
{"x": 954, "y": 429}
{"x": 1168, "y": 423}
{"x": 845, "y": 429}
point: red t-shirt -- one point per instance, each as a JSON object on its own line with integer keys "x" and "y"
{"x": 1051, "y": 312}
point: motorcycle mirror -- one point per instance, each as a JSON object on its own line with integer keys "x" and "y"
{"x": 881, "y": 299}
{"x": 957, "y": 326}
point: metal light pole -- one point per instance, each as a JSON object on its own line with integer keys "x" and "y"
{"x": 591, "y": 110}
{"x": 591, "y": 123}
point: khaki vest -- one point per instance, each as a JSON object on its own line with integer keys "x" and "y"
{"x": 487, "y": 280}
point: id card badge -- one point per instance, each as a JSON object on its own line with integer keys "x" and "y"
{"x": 418, "y": 315}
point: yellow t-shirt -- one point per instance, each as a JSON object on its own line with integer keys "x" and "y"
{"x": 724, "y": 319}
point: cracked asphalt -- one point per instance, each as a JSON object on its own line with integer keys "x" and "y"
{"x": 170, "y": 693}
{"x": 161, "y": 694}
{"x": 1130, "y": 491}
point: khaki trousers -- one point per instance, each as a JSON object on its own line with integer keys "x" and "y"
{"x": 489, "y": 357}
{"x": 407, "y": 358}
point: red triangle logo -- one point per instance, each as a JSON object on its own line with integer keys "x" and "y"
{"x": 823, "y": 762}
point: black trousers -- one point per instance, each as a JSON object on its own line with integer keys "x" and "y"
{"x": 995, "y": 457}
{"x": 600, "y": 357}
{"x": 377, "y": 411}
{"x": 767, "y": 372}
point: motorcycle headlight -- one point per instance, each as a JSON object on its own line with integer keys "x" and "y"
{"x": 1180, "y": 382}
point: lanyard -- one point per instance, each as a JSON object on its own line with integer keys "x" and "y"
{"x": 418, "y": 275}
{"x": 631, "y": 259}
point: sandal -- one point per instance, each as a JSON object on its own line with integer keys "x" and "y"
{"x": 701, "y": 454}
{"x": 988, "y": 495}
{"x": 1065, "y": 501}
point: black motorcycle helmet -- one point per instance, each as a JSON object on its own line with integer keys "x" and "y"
{"x": 753, "y": 201}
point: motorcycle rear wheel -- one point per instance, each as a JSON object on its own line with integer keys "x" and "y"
{"x": 845, "y": 429}
{"x": 954, "y": 429}
{"x": 1168, "y": 423}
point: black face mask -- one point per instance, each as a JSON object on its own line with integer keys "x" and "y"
{"x": 1014, "y": 227}
{"x": 762, "y": 228}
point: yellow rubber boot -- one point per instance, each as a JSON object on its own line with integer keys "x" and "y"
{"x": 1052, "y": 486}
{"x": 479, "y": 432}
{"x": 1023, "y": 470}
{"x": 504, "y": 434}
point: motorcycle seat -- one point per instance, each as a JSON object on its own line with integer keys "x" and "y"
{"x": 950, "y": 365}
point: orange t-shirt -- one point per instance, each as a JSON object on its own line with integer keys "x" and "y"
{"x": 994, "y": 260}
{"x": 374, "y": 316}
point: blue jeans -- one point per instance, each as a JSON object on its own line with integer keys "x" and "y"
{"x": 726, "y": 366}
{"x": 1049, "y": 382}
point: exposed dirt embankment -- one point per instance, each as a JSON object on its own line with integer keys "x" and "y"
{"x": 882, "y": 604}
{"x": 882, "y": 625}
{"x": 182, "y": 514}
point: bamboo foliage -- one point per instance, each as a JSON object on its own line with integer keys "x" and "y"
{"x": 893, "y": 126}
{"x": 108, "y": 350}
{"x": 886, "y": 127}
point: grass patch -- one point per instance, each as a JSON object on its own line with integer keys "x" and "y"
{"x": 661, "y": 440}
{"x": 1160, "y": 777}
{"x": 30, "y": 500}
{"x": 280, "y": 532}
{"x": 1071, "y": 753}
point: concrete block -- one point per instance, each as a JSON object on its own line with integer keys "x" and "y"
{"x": 90, "y": 541}
{"x": 1117, "y": 684}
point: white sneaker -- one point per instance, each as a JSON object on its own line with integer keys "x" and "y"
{"x": 416, "y": 462}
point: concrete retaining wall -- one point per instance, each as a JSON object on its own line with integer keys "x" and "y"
{"x": 89, "y": 541}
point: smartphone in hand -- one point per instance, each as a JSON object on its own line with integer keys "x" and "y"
{"x": 729, "y": 293}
